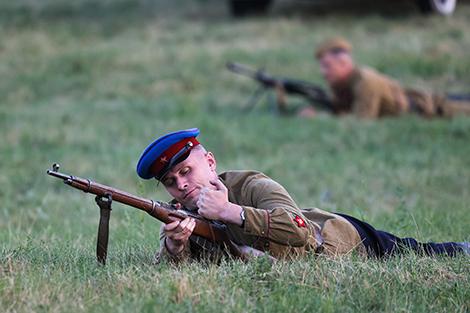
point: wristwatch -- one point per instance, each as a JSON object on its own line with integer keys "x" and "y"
{"x": 242, "y": 216}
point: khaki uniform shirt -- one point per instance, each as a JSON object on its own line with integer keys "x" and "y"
{"x": 274, "y": 223}
{"x": 369, "y": 94}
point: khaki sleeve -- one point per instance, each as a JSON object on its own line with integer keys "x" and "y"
{"x": 164, "y": 255}
{"x": 274, "y": 215}
{"x": 366, "y": 103}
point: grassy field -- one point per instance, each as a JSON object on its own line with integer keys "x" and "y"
{"x": 89, "y": 84}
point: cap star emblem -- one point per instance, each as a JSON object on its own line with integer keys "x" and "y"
{"x": 163, "y": 159}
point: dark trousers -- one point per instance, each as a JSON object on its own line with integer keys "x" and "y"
{"x": 382, "y": 244}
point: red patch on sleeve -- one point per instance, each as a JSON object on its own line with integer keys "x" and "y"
{"x": 300, "y": 222}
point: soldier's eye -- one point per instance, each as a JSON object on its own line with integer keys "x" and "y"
{"x": 168, "y": 182}
{"x": 184, "y": 171}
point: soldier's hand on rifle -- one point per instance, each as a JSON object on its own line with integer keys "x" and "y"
{"x": 213, "y": 204}
{"x": 177, "y": 234}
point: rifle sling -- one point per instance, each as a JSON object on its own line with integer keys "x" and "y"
{"x": 103, "y": 228}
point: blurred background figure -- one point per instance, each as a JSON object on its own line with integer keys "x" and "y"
{"x": 369, "y": 94}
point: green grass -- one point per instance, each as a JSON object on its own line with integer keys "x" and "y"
{"x": 89, "y": 84}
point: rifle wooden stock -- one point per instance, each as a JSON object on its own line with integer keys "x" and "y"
{"x": 162, "y": 211}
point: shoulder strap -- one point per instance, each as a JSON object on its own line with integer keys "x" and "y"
{"x": 103, "y": 229}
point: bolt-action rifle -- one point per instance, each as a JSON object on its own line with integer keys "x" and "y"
{"x": 313, "y": 93}
{"x": 215, "y": 232}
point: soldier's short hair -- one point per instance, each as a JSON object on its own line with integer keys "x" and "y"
{"x": 335, "y": 45}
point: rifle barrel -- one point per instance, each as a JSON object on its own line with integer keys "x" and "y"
{"x": 162, "y": 211}
{"x": 58, "y": 174}
{"x": 241, "y": 69}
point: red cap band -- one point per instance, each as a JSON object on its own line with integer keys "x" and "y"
{"x": 164, "y": 159}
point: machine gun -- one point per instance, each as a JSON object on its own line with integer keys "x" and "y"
{"x": 316, "y": 95}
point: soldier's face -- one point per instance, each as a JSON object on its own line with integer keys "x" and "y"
{"x": 186, "y": 179}
{"x": 336, "y": 67}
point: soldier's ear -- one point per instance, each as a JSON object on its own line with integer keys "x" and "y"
{"x": 211, "y": 161}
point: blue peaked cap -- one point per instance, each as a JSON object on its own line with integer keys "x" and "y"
{"x": 158, "y": 147}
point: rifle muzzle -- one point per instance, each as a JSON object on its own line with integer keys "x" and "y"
{"x": 54, "y": 172}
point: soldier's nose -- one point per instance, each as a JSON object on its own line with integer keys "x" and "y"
{"x": 182, "y": 185}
